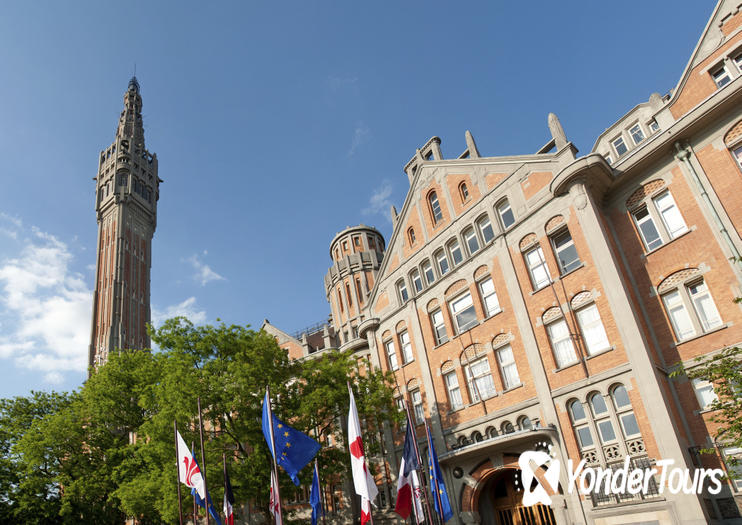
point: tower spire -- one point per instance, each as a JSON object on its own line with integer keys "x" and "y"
{"x": 130, "y": 123}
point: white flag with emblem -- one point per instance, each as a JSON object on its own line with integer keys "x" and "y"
{"x": 363, "y": 481}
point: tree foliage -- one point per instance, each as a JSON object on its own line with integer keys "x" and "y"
{"x": 107, "y": 450}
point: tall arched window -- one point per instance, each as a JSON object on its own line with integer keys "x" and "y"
{"x": 411, "y": 236}
{"x": 464, "y": 192}
{"x": 435, "y": 207}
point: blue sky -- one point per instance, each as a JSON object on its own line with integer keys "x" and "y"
{"x": 276, "y": 125}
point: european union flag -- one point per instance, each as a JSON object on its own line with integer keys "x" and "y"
{"x": 437, "y": 486}
{"x": 293, "y": 450}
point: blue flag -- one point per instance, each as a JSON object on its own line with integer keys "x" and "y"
{"x": 314, "y": 497}
{"x": 293, "y": 450}
{"x": 437, "y": 486}
{"x": 200, "y": 502}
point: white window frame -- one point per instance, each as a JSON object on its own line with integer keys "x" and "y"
{"x": 654, "y": 243}
{"x": 691, "y": 312}
{"x": 706, "y": 311}
{"x": 502, "y": 208}
{"x": 442, "y": 257}
{"x": 464, "y": 190}
{"x": 535, "y": 266}
{"x": 680, "y": 318}
{"x": 636, "y": 130}
{"x": 481, "y": 385}
{"x": 737, "y": 154}
{"x": 470, "y": 234}
{"x": 438, "y": 323}
{"x": 738, "y": 61}
{"x": 453, "y": 389}
{"x": 454, "y": 248}
{"x": 608, "y": 158}
{"x": 580, "y": 425}
{"x": 592, "y": 329}
{"x": 417, "y": 281}
{"x": 484, "y": 223}
{"x": 427, "y": 265}
{"x": 653, "y": 126}
{"x": 573, "y": 264}
{"x": 508, "y": 368}
{"x": 721, "y": 76}
{"x": 417, "y": 406}
{"x": 459, "y": 305}
{"x": 490, "y": 300}
{"x": 391, "y": 354}
{"x": 704, "y": 391}
{"x": 670, "y": 213}
{"x": 561, "y": 343}
{"x": 435, "y": 207}
{"x": 618, "y": 143}
{"x": 406, "y": 347}
{"x": 404, "y": 294}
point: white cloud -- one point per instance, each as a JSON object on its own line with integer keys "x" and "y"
{"x": 380, "y": 201}
{"x": 54, "y": 378}
{"x": 204, "y": 274}
{"x": 361, "y": 135}
{"x": 187, "y": 308}
{"x": 45, "y": 306}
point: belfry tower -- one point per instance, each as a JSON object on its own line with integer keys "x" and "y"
{"x": 127, "y": 190}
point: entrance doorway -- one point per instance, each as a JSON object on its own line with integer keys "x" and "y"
{"x": 506, "y": 503}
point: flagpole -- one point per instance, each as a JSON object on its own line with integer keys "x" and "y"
{"x": 224, "y": 465}
{"x": 195, "y": 507}
{"x": 177, "y": 467}
{"x": 429, "y": 437}
{"x": 203, "y": 460}
{"x": 319, "y": 487}
{"x": 419, "y": 461}
{"x": 273, "y": 452}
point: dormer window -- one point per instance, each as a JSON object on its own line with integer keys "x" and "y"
{"x": 637, "y": 135}
{"x": 620, "y": 146}
{"x": 721, "y": 77}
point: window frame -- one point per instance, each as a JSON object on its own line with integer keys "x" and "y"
{"x": 468, "y": 234}
{"x": 484, "y": 297}
{"x": 721, "y": 76}
{"x": 417, "y": 404}
{"x": 553, "y": 342}
{"x": 542, "y": 264}
{"x": 436, "y": 212}
{"x": 571, "y": 265}
{"x": 405, "y": 347}
{"x": 416, "y": 278}
{"x": 637, "y": 126}
{"x": 507, "y": 383}
{"x": 616, "y": 148}
{"x": 700, "y": 387}
{"x": 485, "y": 218}
{"x": 411, "y": 236}
{"x": 501, "y": 213}
{"x": 453, "y": 247}
{"x": 391, "y": 354}
{"x": 455, "y": 399}
{"x": 439, "y": 336}
{"x": 464, "y": 192}
{"x": 425, "y": 266}
{"x": 454, "y": 315}
{"x": 441, "y": 255}
{"x": 685, "y": 301}
{"x": 402, "y": 291}
{"x": 475, "y": 392}
{"x": 579, "y": 314}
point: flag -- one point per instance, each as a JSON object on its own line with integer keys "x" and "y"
{"x": 188, "y": 470}
{"x": 228, "y": 500}
{"x": 293, "y": 450}
{"x": 314, "y": 497}
{"x": 437, "y": 486}
{"x": 407, "y": 466}
{"x": 417, "y": 497}
{"x": 200, "y": 503}
{"x": 362, "y": 479}
{"x": 273, "y": 502}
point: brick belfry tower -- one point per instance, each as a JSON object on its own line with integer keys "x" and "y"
{"x": 126, "y": 206}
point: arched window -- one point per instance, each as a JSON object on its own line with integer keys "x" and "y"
{"x": 476, "y": 436}
{"x": 525, "y": 423}
{"x": 485, "y": 229}
{"x": 435, "y": 207}
{"x": 411, "y": 236}
{"x": 402, "y": 291}
{"x": 507, "y": 428}
{"x": 603, "y": 423}
{"x": 507, "y": 219}
{"x": 472, "y": 241}
{"x": 689, "y": 304}
{"x": 624, "y": 412}
{"x": 464, "y": 192}
{"x": 580, "y": 425}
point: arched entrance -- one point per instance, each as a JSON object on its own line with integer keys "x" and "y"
{"x": 501, "y": 503}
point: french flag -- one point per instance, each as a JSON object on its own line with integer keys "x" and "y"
{"x": 408, "y": 487}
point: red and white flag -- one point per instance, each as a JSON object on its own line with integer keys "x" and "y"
{"x": 274, "y": 503}
{"x": 188, "y": 471}
{"x": 363, "y": 481}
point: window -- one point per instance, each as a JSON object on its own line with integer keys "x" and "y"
{"x": 442, "y": 262}
{"x": 506, "y": 214}
{"x": 525, "y": 423}
{"x": 565, "y": 251}
{"x": 411, "y": 236}
{"x": 391, "y": 355}
{"x": 733, "y": 460}
{"x": 647, "y": 229}
{"x": 592, "y": 329}
{"x": 454, "y": 392}
{"x": 428, "y": 271}
{"x": 507, "y": 428}
{"x": 561, "y": 343}
{"x": 721, "y": 77}
{"x": 417, "y": 281}
{"x": 737, "y": 152}
{"x": 485, "y": 227}
{"x": 579, "y": 423}
{"x": 738, "y": 62}
{"x": 705, "y": 394}
{"x": 653, "y": 126}
{"x": 510, "y": 377}
{"x": 704, "y": 306}
{"x": 637, "y": 135}
{"x": 435, "y": 207}
{"x": 455, "y": 250}
{"x": 670, "y": 214}
{"x": 679, "y": 318}
{"x": 464, "y": 314}
{"x": 464, "y": 192}
{"x": 620, "y": 146}
{"x": 608, "y": 158}
{"x": 626, "y": 418}
{"x": 402, "y": 290}
{"x": 417, "y": 406}
{"x": 399, "y": 402}
{"x": 603, "y": 422}
{"x": 537, "y": 268}
{"x": 439, "y": 327}
{"x": 480, "y": 380}
{"x": 472, "y": 242}
{"x": 404, "y": 341}
{"x": 489, "y": 297}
